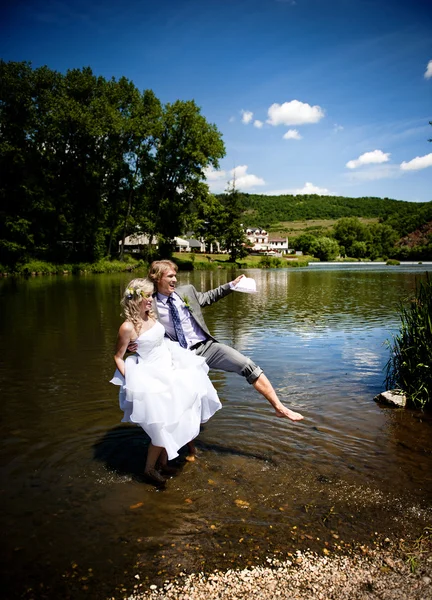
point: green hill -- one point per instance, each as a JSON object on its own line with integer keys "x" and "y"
{"x": 265, "y": 211}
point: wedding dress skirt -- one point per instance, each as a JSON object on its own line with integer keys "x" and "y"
{"x": 166, "y": 391}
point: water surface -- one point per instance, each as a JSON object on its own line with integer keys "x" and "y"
{"x": 79, "y": 520}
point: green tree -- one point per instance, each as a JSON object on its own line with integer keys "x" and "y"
{"x": 304, "y": 242}
{"x": 324, "y": 248}
{"x": 185, "y": 144}
{"x": 382, "y": 243}
{"x": 349, "y": 230}
{"x": 232, "y": 234}
{"x": 17, "y": 123}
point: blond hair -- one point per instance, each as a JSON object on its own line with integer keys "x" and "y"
{"x": 158, "y": 268}
{"x": 136, "y": 290}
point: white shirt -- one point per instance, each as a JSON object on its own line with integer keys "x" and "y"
{"x": 192, "y": 331}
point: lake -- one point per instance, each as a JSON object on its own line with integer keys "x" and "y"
{"x": 78, "y": 519}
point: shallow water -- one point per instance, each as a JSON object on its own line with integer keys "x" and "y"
{"x": 78, "y": 519}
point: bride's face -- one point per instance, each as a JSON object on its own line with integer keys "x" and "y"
{"x": 146, "y": 303}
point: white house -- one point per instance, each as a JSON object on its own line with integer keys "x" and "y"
{"x": 278, "y": 244}
{"x": 257, "y": 237}
{"x": 136, "y": 242}
{"x": 262, "y": 242}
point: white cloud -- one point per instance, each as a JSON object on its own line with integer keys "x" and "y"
{"x": 308, "y": 188}
{"x": 247, "y": 116}
{"x": 258, "y": 124}
{"x": 244, "y": 180}
{"x": 369, "y": 158}
{"x": 292, "y": 134}
{"x": 294, "y": 113}
{"x": 231, "y": 119}
{"x": 212, "y": 175}
{"x": 337, "y": 128}
{"x": 417, "y": 163}
{"x": 428, "y": 72}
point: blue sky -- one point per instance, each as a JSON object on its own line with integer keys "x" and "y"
{"x": 311, "y": 96}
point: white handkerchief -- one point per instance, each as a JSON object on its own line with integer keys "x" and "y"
{"x": 246, "y": 285}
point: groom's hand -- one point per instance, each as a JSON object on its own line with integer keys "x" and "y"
{"x": 132, "y": 346}
{"x": 236, "y": 280}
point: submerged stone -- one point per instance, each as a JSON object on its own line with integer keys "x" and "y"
{"x": 392, "y": 398}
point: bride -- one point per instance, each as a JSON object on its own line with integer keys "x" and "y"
{"x": 163, "y": 388}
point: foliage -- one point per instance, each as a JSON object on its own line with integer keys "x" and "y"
{"x": 410, "y": 363}
{"x": 86, "y": 161}
{"x": 270, "y": 262}
{"x": 262, "y": 210}
{"x": 304, "y": 242}
{"x": 325, "y": 248}
{"x": 39, "y": 267}
{"x": 349, "y": 231}
{"x": 227, "y": 227}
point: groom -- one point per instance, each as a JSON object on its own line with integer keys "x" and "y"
{"x": 179, "y": 311}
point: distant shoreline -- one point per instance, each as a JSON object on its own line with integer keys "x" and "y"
{"x": 369, "y": 264}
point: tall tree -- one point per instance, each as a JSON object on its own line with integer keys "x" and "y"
{"x": 17, "y": 122}
{"x": 185, "y": 144}
{"x": 349, "y": 230}
{"x": 232, "y": 236}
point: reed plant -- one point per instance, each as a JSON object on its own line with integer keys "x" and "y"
{"x": 409, "y": 366}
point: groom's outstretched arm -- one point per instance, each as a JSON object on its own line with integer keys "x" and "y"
{"x": 207, "y": 298}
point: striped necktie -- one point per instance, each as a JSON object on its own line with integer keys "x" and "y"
{"x": 176, "y": 322}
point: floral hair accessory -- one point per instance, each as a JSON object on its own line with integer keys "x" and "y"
{"x": 138, "y": 292}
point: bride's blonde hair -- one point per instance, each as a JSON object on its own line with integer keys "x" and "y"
{"x": 135, "y": 292}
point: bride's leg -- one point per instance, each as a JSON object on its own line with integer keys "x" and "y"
{"x": 163, "y": 458}
{"x": 163, "y": 466}
{"x": 150, "y": 471}
{"x": 192, "y": 451}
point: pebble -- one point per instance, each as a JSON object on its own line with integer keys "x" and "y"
{"x": 355, "y": 577}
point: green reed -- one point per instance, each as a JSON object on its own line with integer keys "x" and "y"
{"x": 409, "y": 366}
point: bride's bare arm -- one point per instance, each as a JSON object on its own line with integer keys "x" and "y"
{"x": 124, "y": 337}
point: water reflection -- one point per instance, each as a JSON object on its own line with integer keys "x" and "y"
{"x": 71, "y": 485}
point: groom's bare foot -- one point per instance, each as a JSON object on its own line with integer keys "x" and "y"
{"x": 286, "y": 413}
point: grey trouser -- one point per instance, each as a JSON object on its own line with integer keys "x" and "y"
{"x": 223, "y": 357}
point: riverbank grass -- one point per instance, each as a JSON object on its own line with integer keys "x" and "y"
{"x": 186, "y": 261}
{"x": 40, "y": 267}
{"x": 200, "y": 261}
{"x": 410, "y": 363}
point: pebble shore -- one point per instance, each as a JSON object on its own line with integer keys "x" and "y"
{"x": 366, "y": 575}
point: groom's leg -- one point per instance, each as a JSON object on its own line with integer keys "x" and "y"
{"x": 223, "y": 357}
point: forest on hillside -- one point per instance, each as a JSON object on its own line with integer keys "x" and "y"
{"x": 403, "y": 230}
{"x": 264, "y": 211}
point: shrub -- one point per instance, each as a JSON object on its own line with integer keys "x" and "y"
{"x": 392, "y": 262}
{"x": 409, "y": 366}
{"x": 184, "y": 264}
{"x": 36, "y": 266}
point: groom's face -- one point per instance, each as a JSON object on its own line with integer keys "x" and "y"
{"x": 167, "y": 283}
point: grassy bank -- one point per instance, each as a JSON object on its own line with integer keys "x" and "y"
{"x": 39, "y": 267}
{"x": 191, "y": 261}
{"x": 186, "y": 261}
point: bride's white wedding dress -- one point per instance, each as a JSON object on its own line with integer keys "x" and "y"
{"x": 166, "y": 390}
